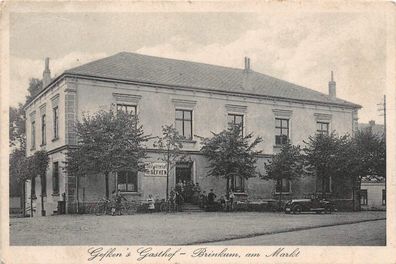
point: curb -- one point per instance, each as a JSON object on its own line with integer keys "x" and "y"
{"x": 280, "y": 231}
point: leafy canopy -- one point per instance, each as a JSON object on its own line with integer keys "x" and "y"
{"x": 287, "y": 164}
{"x": 108, "y": 141}
{"x": 171, "y": 145}
{"x": 231, "y": 153}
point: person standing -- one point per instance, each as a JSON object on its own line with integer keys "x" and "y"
{"x": 151, "y": 203}
{"x": 232, "y": 197}
{"x": 211, "y": 200}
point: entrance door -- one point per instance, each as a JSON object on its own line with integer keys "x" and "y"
{"x": 183, "y": 172}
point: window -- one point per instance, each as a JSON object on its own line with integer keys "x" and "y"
{"x": 130, "y": 109}
{"x": 327, "y": 184}
{"x": 43, "y": 131}
{"x": 44, "y": 185}
{"x": 184, "y": 123}
{"x": 383, "y": 197}
{"x": 55, "y": 178}
{"x": 33, "y": 188}
{"x": 234, "y": 119}
{"x": 281, "y": 131}
{"x": 237, "y": 184}
{"x": 282, "y": 185}
{"x": 322, "y": 128}
{"x": 127, "y": 181}
{"x": 363, "y": 197}
{"x": 56, "y": 122}
{"x": 33, "y": 134}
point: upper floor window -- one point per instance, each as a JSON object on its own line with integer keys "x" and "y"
{"x": 322, "y": 128}
{"x": 43, "y": 130}
{"x": 56, "y": 121}
{"x": 33, "y": 135}
{"x": 184, "y": 123}
{"x": 281, "y": 131}
{"x": 235, "y": 119}
{"x": 127, "y": 181}
{"x": 130, "y": 109}
{"x": 282, "y": 185}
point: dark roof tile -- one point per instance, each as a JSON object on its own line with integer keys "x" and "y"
{"x": 148, "y": 69}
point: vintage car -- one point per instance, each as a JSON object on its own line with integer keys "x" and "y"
{"x": 297, "y": 206}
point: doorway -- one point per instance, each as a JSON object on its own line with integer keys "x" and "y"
{"x": 183, "y": 172}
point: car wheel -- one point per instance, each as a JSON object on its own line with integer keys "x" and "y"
{"x": 297, "y": 209}
{"x": 328, "y": 210}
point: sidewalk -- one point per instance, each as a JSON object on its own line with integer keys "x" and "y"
{"x": 167, "y": 229}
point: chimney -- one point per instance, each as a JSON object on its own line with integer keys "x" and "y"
{"x": 46, "y": 73}
{"x": 247, "y": 64}
{"x": 332, "y": 87}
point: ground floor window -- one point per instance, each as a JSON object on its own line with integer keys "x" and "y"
{"x": 238, "y": 184}
{"x": 127, "y": 181}
{"x": 55, "y": 178}
{"x": 33, "y": 188}
{"x": 363, "y": 197}
{"x": 383, "y": 197}
{"x": 282, "y": 185}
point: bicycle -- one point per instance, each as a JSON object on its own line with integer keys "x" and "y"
{"x": 167, "y": 206}
{"x": 103, "y": 206}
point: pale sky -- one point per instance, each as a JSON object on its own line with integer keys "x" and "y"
{"x": 301, "y": 48}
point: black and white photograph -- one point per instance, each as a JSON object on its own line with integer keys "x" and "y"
{"x": 150, "y": 134}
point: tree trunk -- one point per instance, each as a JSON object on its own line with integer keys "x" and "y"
{"x": 107, "y": 184}
{"x": 77, "y": 187}
{"x": 323, "y": 186}
{"x": 280, "y": 196}
{"x": 228, "y": 187}
{"x": 23, "y": 197}
{"x": 167, "y": 178}
{"x": 31, "y": 197}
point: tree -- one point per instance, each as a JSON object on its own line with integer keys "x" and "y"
{"x": 327, "y": 155}
{"x": 35, "y": 86}
{"x": 366, "y": 155}
{"x": 171, "y": 145}
{"x": 24, "y": 168}
{"x": 287, "y": 165}
{"x": 231, "y": 155}
{"x": 17, "y": 128}
{"x": 108, "y": 141}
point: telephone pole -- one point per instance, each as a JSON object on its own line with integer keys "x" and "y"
{"x": 382, "y": 110}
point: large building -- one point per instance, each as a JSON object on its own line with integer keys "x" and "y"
{"x": 198, "y": 99}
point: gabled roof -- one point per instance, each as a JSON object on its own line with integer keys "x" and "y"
{"x": 170, "y": 72}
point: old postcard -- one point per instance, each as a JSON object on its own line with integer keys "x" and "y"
{"x": 198, "y": 132}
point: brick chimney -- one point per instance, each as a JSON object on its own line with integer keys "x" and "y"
{"x": 247, "y": 64}
{"x": 332, "y": 87}
{"x": 46, "y": 73}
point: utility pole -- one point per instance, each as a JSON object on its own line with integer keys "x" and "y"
{"x": 382, "y": 110}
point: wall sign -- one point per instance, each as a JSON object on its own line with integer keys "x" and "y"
{"x": 155, "y": 169}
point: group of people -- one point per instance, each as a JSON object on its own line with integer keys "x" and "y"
{"x": 209, "y": 202}
{"x": 189, "y": 191}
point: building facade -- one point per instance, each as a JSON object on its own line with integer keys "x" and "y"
{"x": 198, "y": 99}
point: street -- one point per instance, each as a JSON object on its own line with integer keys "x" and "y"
{"x": 199, "y": 228}
{"x": 371, "y": 233}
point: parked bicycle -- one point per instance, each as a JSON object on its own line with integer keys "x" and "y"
{"x": 168, "y": 206}
{"x": 103, "y": 207}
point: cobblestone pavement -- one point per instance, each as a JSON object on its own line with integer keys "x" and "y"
{"x": 167, "y": 229}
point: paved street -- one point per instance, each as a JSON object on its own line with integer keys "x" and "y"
{"x": 181, "y": 228}
{"x": 371, "y": 233}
